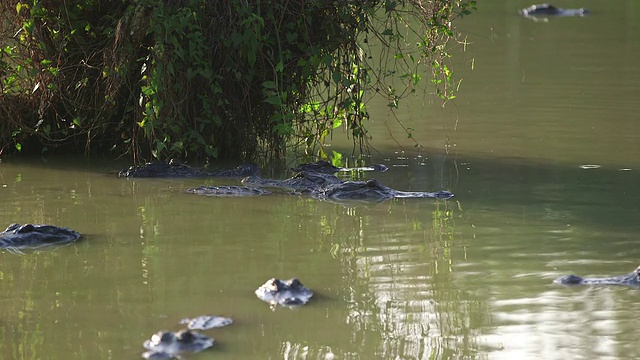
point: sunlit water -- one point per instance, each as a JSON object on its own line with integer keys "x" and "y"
{"x": 470, "y": 277}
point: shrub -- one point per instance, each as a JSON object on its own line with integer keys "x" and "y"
{"x": 201, "y": 79}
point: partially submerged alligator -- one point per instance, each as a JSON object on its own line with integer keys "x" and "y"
{"x": 344, "y": 191}
{"x": 630, "y": 279}
{"x": 305, "y": 181}
{"x": 371, "y": 190}
{"x": 284, "y": 292}
{"x": 225, "y": 190}
{"x": 29, "y": 236}
{"x": 325, "y": 167}
{"x": 168, "y": 344}
{"x": 174, "y": 168}
{"x": 206, "y": 322}
{"x": 548, "y": 9}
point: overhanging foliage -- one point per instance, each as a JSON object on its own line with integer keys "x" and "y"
{"x": 212, "y": 79}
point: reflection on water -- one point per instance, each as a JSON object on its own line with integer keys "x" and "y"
{"x": 401, "y": 292}
{"x": 408, "y": 297}
{"x": 470, "y": 277}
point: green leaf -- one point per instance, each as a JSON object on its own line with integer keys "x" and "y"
{"x": 336, "y": 159}
{"x": 390, "y": 5}
{"x": 269, "y": 84}
{"x": 274, "y": 100}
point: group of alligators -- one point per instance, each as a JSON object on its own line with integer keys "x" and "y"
{"x": 169, "y": 344}
{"x": 163, "y": 344}
{"x": 316, "y": 179}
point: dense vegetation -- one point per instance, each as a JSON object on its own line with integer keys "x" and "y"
{"x": 211, "y": 79}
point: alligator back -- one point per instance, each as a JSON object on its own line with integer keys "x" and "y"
{"x": 630, "y": 279}
{"x": 30, "y": 236}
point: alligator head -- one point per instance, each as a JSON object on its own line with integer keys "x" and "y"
{"x": 630, "y": 279}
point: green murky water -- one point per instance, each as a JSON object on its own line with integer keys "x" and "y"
{"x": 404, "y": 279}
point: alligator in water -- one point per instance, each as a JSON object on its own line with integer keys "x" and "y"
{"x": 371, "y": 190}
{"x": 284, "y": 292}
{"x": 168, "y": 344}
{"x": 228, "y": 190}
{"x": 342, "y": 192}
{"x": 29, "y": 236}
{"x": 325, "y": 167}
{"x": 542, "y": 10}
{"x": 304, "y": 181}
{"x": 174, "y": 168}
{"x": 206, "y": 322}
{"x": 630, "y": 279}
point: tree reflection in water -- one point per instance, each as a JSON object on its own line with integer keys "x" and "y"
{"x": 401, "y": 293}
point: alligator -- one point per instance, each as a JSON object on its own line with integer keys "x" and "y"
{"x": 206, "y": 322}
{"x": 325, "y": 167}
{"x": 228, "y": 190}
{"x": 30, "y": 236}
{"x": 304, "y": 181}
{"x": 168, "y": 344}
{"x": 548, "y": 9}
{"x": 630, "y": 279}
{"x": 371, "y": 190}
{"x": 319, "y": 186}
{"x": 284, "y": 292}
{"x": 174, "y": 168}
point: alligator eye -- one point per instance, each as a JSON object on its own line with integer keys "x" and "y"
{"x": 372, "y": 183}
{"x": 162, "y": 337}
{"x": 185, "y": 336}
{"x": 272, "y": 284}
{"x": 26, "y": 228}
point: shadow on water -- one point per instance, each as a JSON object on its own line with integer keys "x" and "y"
{"x": 599, "y": 196}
